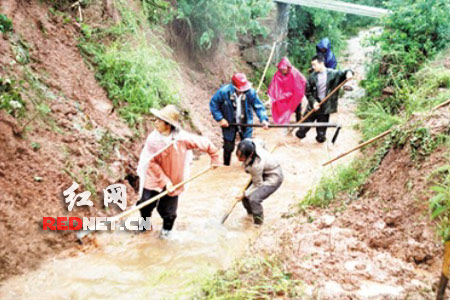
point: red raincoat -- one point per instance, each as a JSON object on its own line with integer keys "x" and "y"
{"x": 286, "y": 91}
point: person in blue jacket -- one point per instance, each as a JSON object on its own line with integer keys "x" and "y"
{"x": 324, "y": 48}
{"x": 233, "y": 103}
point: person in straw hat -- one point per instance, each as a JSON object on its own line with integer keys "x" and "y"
{"x": 164, "y": 162}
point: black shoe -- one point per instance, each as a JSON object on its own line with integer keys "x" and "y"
{"x": 300, "y": 135}
{"x": 258, "y": 219}
{"x": 321, "y": 139}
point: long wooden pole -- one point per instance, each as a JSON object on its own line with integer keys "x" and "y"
{"x": 444, "y": 275}
{"x": 160, "y": 195}
{"x": 358, "y": 147}
{"x": 83, "y": 233}
{"x": 442, "y": 104}
{"x": 267, "y": 67}
{"x": 323, "y": 101}
{"x": 247, "y": 184}
{"x": 315, "y": 124}
{"x": 375, "y": 138}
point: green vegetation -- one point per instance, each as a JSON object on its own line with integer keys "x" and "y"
{"x": 130, "y": 65}
{"x": 204, "y": 22}
{"x": 440, "y": 202}
{"x": 412, "y": 34}
{"x": 345, "y": 180}
{"x": 348, "y": 179}
{"x": 404, "y": 47}
{"x": 307, "y": 26}
{"x": 5, "y": 24}
{"x": 256, "y": 277}
{"x": 10, "y": 99}
{"x": 157, "y": 11}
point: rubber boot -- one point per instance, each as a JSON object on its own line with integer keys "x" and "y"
{"x": 258, "y": 220}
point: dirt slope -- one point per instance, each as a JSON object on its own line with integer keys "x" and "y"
{"x": 32, "y": 181}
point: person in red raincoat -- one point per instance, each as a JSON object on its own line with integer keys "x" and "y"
{"x": 286, "y": 90}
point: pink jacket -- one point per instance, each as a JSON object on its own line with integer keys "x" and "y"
{"x": 169, "y": 165}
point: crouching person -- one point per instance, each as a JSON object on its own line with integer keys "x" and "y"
{"x": 266, "y": 173}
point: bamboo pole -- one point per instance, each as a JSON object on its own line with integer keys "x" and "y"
{"x": 247, "y": 184}
{"x": 442, "y": 104}
{"x": 375, "y": 138}
{"x": 267, "y": 67}
{"x": 444, "y": 275}
{"x": 83, "y": 233}
{"x": 315, "y": 124}
{"x": 358, "y": 147}
{"x": 323, "y": 101}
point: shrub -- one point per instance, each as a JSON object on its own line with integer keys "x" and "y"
{"x": 5, "y": 24}
{"x": 206, "y": 21}
{"x": 413, "y": 32}
{"x": 130, "y": 65}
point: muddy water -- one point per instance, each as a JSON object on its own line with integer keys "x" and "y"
{"x": 128, "y": 266}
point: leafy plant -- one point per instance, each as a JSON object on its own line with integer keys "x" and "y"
{"x": 5, "y": 24}
{"x": 158, "y": 11}
{"x": 204, "y": 21}
{"x": 36, "y": 146}
{"x": 307, "y": 26}
{"x": 10, "y": 99}
{"x": 413, "y": 32}
{"x": 440, "y": 202}
{"x": 130, "y": 65}
{"x": 348, "y": 179}
{"x": 261, "y": 277}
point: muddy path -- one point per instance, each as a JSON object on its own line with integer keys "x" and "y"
{"x": 128, "y": 266}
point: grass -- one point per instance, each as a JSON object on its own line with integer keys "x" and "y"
{"x": 348, "y": 179}
{"x": 257, "y": 277}
{"x": 130, "y": 64}
{"x": 439, "y": 203}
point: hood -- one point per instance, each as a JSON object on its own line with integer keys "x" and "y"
{"x": 284, "y": 63}
{"x": 324, "y": 44}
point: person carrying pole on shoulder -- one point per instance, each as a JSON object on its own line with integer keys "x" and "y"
{"x": 320, "y": 83}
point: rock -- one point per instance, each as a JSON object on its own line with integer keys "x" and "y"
{"x": 393, "y": 218}
{"x": 447, "y": 63}
{"x": 256, "y": 54}
{"x": 68, "y": 139}
{"x": 64, "y": 123}
{"x": 388, "y": 91}
{"x": 360, "y": 266}
{"x": 65, "y": 109}
{"x": 326, "y": 221}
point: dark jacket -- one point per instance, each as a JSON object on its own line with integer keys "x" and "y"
{"x": 222, "y": 108}
{"x": 330, "y": 59}
{"x": 334, "y": 78}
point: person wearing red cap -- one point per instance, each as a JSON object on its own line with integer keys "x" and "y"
{"x": 233, "y": 103}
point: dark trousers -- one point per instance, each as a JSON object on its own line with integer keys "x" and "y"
{"x": 298, "y": 112}
{"x": 166, "y": 207}
{"x": 321, "y": 131}
{"x": 253, "y": 203}
{"x": 228, "y": 148}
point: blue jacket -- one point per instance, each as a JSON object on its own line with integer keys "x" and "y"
{"x": 330, "y": 59}
{"x": 222, "y": 108}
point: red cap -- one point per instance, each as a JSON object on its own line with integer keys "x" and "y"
{"x": 240, "y": 82}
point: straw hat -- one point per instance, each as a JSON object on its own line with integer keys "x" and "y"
{"x": 169, "y": 114}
